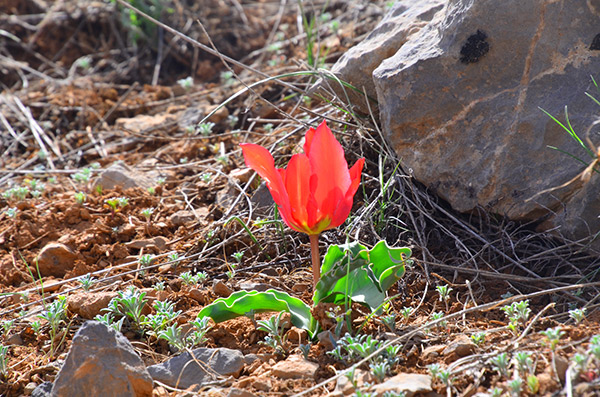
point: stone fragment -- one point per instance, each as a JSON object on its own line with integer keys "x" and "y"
{"x": 184, "y": 217}
{"x": 345, "y": 387}
{"x": 411, "y": 384}
{"x": 182, "y": 371}
{"x": 460, "y": 347}
{"x": 327, "y": 340}
{"x": 56, "y": 260}
{"x": 102, "y": 362}
{"x": 158, "y": 243}
{"x": 221, "y": 289}
{"x": 121, "y": 175}
{"x": 234, "y": 392}
{"x": 252, "y": 286}
{"x": 143, "y": 122}
{"x": 42, "y": 390}
{"x": 89, "y": 304}
{"x": 357, "y": 64}
{"x": 295, "y": 367}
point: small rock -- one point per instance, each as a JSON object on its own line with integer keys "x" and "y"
{"x": 262, "y": 384}
{"x": 89, "y": 304}
{"x": 361, "y": 377}
{"x": 262, "y": 201}
{"x": 300, "y": 287}
{"x": 432, "y": 352}
{"x": 14, "y": 339}
{"x": 43, "y": 390}
{"x": 295, "y": 367}
{"x": 159, "y": 243}
{"x": 561, "y": 364}
{"x": 102, "y": 362}
{"x": 143, "y": 122}
{"x": 121, "y": 175}
{"x": 182, "y": 371}
{"x": 182, "y": 217}
{"x": 250, "y": 286}
{"x": 221, "y": 289}
{"x": 410, "y": 384}
{"x": 462, "y": 346}
{"x": 29, "y": 388}
{"x": 327, "y": 339}
{"x": 241, "y": 175}
{"x": 297, "y": 335}
{"x": 234, "y": 392}
{"x": 56, "y": 260}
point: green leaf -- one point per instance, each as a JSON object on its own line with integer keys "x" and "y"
{"x": 242, "y": 302}
{"x": 352, "y": 271}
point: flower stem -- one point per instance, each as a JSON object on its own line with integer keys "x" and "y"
{"x": 316, "y": 259}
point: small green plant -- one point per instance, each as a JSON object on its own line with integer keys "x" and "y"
{"x": 174, "y": 335}
{"x": 227, "y": 78}
{"x": 336, "y": 313}
{"x": 188, "y": 279}
{"x": 515, "y": 386}
{"x": 147, "y": 213}
{"x": 80, "y": 197}
{"x": 533, "y": 383}
{"x": 232, "y": 120}
{"x": 6, "y": 326}
{"x": 268, "y": 128}
{"x": 129, "y": 303}
{"x": 578, "y": 315}
{"x": 517, "y": 312}
{"x": 238, "y": 256}
{"x": 116, "y": 203}
{"x": 553, "y": 336}
{"x": 524, "y": 362}
{"x": 231, "y": 272}
{"x": 55, "y": 315}
{"x": 406, "y": 312}
{"x": 198, "y": 335}
{"x": 108, "y": 320}
{"x": 274, "y": 328}
{"x": 160, "y": 180}
{"x": 159, "y": 286}
{"x": 434, "y": 370}
{"x": 206, "y": 177}
{"x": 439, "y": 315}
{"x": 304, "y": 349}
{"x": 36, "y": 326}
{"x": 496, "y": 392}
{"x": 478, "y": 338}
{"x": 444, "y": 292}
{"x": 389, "y": 321}
{"x": 174, "y": 259}
{"x": 11, "y": 212}
{"x": 4, "y": 361}
{"x": 186, "y": 83}
{"x": 206, "y": 128}
{"x": 500, "y": 363}
{"x": 379, "y": 370}
{"x": 445, "y": 376}
{"x": 16, "y": 194}
{"x": 86, "y": 282}
{"x": 83, "y": 176}
{"x": 145, "y": 261}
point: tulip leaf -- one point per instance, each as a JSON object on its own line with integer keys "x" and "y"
{"x": 242, "y": 302}
{"x": 352, "y": 271}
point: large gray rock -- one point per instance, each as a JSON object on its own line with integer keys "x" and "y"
{"x": 459, "y": 102}
{"x": 205, "y": 366}
{"x": 356, "y": 66}
{"x": 102, "y": 362}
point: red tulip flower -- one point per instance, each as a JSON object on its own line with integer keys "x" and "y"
{"x": 316, "y": 190}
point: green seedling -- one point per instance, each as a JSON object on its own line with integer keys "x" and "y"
{"x": 578, "y": 315}
{"x": 36, "y": 326}
{"x": 336, "y": 313}
{"x": 304, "y": 349}
{"x": 205, "y": 129}
{"x": 231, "y": 272}
{"x": 186, "y": 83}
{"x": 437, "y": 316}
{"x": 174, "y": 335}
{"x": 275, "y": 330}
{"x": 83, "y": 176}
{"x": 445, "y": 376}
{"x": 444, "y": 292}
{"x": 524, "y": 362}
{"x": 147, "y": 213}
{"x": 4, "y": 361}
{"x": 478, "y": 338}
{"x": 159, "y": 286}
{"x": 389, "y": 321}
{"x": 379, "y": 370}
{"x": 188, "y": 279}
{"x": 160, "y": 180}
{"x": 227, "y": 78}
{"x": 7, "y": 326}
{"x": 496, "y": 392}
{"x": 16, "y": 194}
{"x": 174, "y": 259}
{"x": 232, "y": 120}
{"x": 434, "y": 370}
{"x": 80, "y": 197}
{"x": 108, "y": 320}
{"x": 86, "y": 282}
{"x": 129, "y": 303}
{"x": 238, "y": 256}
{"x": 517, "y": 312}
{"x": 406, "y": 312}
{"x": 500, "y": 362}
{"x": 268, "y": 128}
{"x": 55, "y": 315}
{"x": 198, "y": 335}
{"x": 553, "y": 336}
{"x": 151, "y": 190}
{"x": 11, "y": 212}
{"x": 515, "y": 386}
{"x": 146, "y": 260}
{"x": 533, "y": 383}
{"x": 206, "y": 177}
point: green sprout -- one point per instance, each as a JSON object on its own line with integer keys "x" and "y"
{"x": 80, "y": 197}
{"x": 147, "y": 213}
{"x": 16, "y": 193}
{"x": 533, "y": 383}
{"x": 174, "y": 335}
{"x": 379, "y": 370}
{"x": 159, "y": 286}
{"x": 238, "y": 256}
{"x": 198, "y": 335}
{"x": 129, "y": 303}
{"x": 275, "y": 330}
{"x": 6, "y": 326}
{"x": 524, "y": 362}
{"x": 161, "y": 180}
{"x": 83, "y": 176}
{"x": 232, "y": 120}
{"x": 389, "y": 321}
{"x": 186, "y": 83}
{"x": 86, "y": 282}
{"x": 55, "y": 315}
{"x": 444, "y": 292}
{"x": 478, "y": 338}
{"x": 268, "y": 127}
{"x": 36, "y": 326}
{"x": 151, "y": 190}
{"x": 406, "y": 312}
{"x": 11, "y": 212}
{"x": 206, "y": 128}
{"x": 206, "y": 177}
{"x": 500, "y": 362}
{"x": 577, "y": 314}
{"x": 4, "y": 361}
{"x": 304, "y": 349}
{"x": 514, "y": 386}
{"x": 108, "y": 320}
{"x": 227, "y": 78}
{"x": 553, "y": 336}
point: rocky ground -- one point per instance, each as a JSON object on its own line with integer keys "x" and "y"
{"x": 115, "y": 184}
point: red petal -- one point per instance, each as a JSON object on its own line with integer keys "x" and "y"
{"x": 297, "y": 183}
{"x": 260, "y": 160}
{"x": 345, "y": 205}
{"x": 330, "y": 179}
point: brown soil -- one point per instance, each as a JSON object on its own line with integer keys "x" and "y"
{"x": 74, "y": 80}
